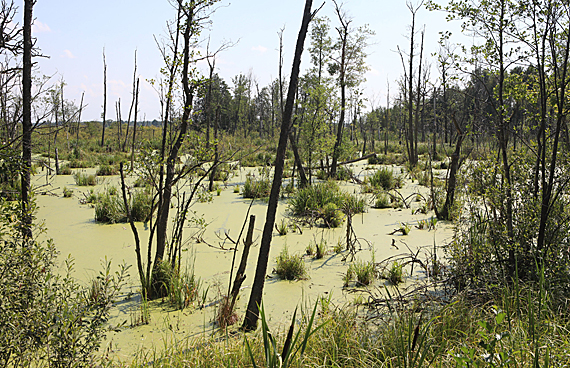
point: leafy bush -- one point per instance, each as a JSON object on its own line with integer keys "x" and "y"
{"x": 290, "y": 266}
{"x": 83, "y": 179}
{"x": 79, "y": 164}
{"x": 321, "y": 249}
{"x": 344, "y": 173}
{"x": 46, "y": 317}
{"x": 181, "y": 287}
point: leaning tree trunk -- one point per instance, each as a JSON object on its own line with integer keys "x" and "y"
{"x": 445, "y": 213}
{"x": 252, "y": 313}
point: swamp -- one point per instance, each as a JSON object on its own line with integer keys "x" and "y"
{"x": 299, "y": 223}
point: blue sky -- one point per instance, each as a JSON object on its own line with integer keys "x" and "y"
{"x": 73, "y": 34}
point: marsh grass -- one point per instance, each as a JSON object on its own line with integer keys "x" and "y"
{"x": 256, "y": 187}
{"x": 65, "y": 170}
{"x": 395, "y": 273}
{"x": 385, "y": 179}
{"x": 290, "y": 266}
{"x": 325, "y": 201}
{"x": 382, "y": 201}
{"x": 107, "y": 170}
{"x": 110, "y": 207}
{"x": 363, "y": 272}
{"x": 516, "y": 326}
{"x": 282, "y": 227}
{"x": 83, "y": 179}
{"x": 67, "y": 193}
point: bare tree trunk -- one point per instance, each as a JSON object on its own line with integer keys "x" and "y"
{"x": 79, "y": 120}
{"x": 132, "y": 103}
{"x": 252, "y": 314}
{"x": 104, "y": 98}
{"x": 27, "y": 122}
{"x": 188, "y": 92}
{"x": 135, "y": 125}
{"x": 119, "y": 124}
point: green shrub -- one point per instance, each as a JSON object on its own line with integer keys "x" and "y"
{"x": 325, "y": 201}
{"x": 141, "y": 205}
{"x": 290, "y": 266}
{"x": 46, "y": 317}
{"x": 83, "y": 179}
{"x": 110, "y": 209}
{"x": 181, "y": 286}
{"x": 79, "y": 164}
{"x": 321, "y": 249}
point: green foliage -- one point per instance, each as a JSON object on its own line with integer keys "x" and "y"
{"x": 46, "y": 317}
{"x": 290, "y": 266}
{"x": 321, "y": 249}
{"x": 405, "y": 228}
{"x": 182, "y": 286}
{"x": 83, "y": 179}
{"x": 292, "y": 346}
{"x": 344, "y": 173}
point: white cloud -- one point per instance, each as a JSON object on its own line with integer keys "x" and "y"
{"x": 259, "y": 48}
{"x": 39, "y": 27}
{"x": 68, "y": 54}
